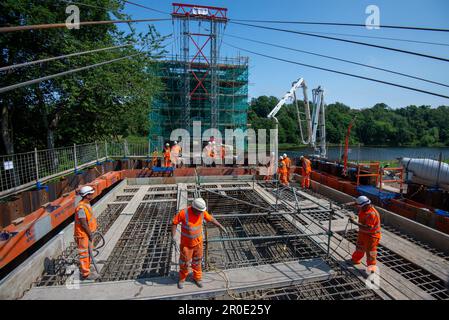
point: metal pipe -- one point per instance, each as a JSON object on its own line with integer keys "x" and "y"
{"x": 329, "y": 232}
{"x": 267, "y": 237}
{"x": 258, "y": 214}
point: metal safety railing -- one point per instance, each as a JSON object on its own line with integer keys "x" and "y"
{"x": 22, "y": 171}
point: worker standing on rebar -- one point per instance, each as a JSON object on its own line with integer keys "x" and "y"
{"x": 154, "y": 160}
{"x": 212, "y": 153}
{"x": 191, "y": 248}
{"x": 288, "y": 164}
{"x": 175, "y": 154}
{"x": 282, "y": 172}
{"x": 306, "y": 172}
{"x": 167, "y": 155}
{"x": 369, "y": 232}
{"x": 85, "y": 226}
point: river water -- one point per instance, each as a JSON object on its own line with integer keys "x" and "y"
{"x": 376, "y": 153}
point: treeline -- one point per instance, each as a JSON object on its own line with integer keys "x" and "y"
{"x": 104, "y": 102}
{"x": 379, "y": 125}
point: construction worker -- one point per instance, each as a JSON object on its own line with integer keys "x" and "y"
{"x": 85, "y": 226}
{"x": 369, "y": 232}
{"x": 223, "y": 154}
{"x": 282, "y": 171}
{"x": 288, "y": 164}
{"x": 167, "y": 155}
{"x": 175, "y": 154}
{"x": 154, "y": 160}
{"x": 191, "y": 248}
{"x": 306, "y": 171}
{"x": 270, "y": 168}
{"x": 212, "y": 153}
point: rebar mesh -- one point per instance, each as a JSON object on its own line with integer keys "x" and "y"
{"x": 409, "y": 270}
{"x": 144, "y": 248}
{"x": 58, "y": 270}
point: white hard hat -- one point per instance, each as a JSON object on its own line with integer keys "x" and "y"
{"x": 84, "y": 191}
{"x": 362, "y": 200}
{"x": 209, "y": 142}
{"x": 199, "y": 204}
{"x": 301, "y": 157}
{"x": 281, "y": 157}
{"x": 272, "y": 153}
{"x": 167, "y": 144}
{"x": 176, "y": 142}
{"x": 285, "y": 155}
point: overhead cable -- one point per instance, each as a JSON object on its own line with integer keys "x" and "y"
{"x": 26, "y": 64}
{"x": 27, "y": 83}
{"x": 339, "y": 59}
{"x": 340, "y": 72}
{"x": 345, "y": 40}
{"x": 64, "y": 25}
{"x": 145, "y": 7}
{"x": 345, "y": 24}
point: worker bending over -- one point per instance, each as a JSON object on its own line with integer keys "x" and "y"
{"x": 85, "y": 226}
{"x": 191, "y": 248}
{"x": 306, "y": 171}
{"x": 288, "y": 164}
{"x": 167, "y": 155}
{"x": 369, "y": 232}
{"x": 282, "y": 172}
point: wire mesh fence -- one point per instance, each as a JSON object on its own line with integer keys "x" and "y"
{"x": 22, "y": 170}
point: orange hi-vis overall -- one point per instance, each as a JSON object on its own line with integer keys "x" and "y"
{"x": 283, "y": 174}
{"x": 368, "y": 239}
{"x": 306, "y": 171}
{"x": 175, "y": 152}
{"x": 191, "y": 248}
{"x": 81, "y": 237}
{"x": 288, "y": 164}
{"x": 154, "y": 162}
{"x": 166, "y": 156}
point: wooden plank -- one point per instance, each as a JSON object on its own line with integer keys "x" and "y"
{"x": 414, "y": 253}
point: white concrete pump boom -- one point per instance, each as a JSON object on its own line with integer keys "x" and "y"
{"x": 315, "y": 121}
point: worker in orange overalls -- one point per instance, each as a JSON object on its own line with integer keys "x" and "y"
{"x": 288, "y": 164}
{"x": 191, "y": 248}
{"x": 223, "y": 154}
{"x": 282, "y": 171}
{"x": 175, "y": 154}
{"x": 306, "y": 171}
{"x": 85, "y": 226}
{"x": 212, "y": 153}
{"x": 154, "y": 160}
{"x": 369, "y": 232}
{"x": 167, "y": 155}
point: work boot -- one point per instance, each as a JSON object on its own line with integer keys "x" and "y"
{"x": 92, "y": 276}
{"x": 199, "y": 283}
{"x": 180, "y": 284}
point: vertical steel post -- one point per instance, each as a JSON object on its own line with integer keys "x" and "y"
{"x": 36, "y": 161}
{"x": 96, "y": 151}
{"x": 329, "y": 231}
{"x": 74, "y": 158}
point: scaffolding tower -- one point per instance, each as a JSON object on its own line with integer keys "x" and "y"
{"x": 200, "y": 86}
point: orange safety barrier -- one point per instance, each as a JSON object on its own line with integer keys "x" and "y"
{"x": 368, "y": 167}
{"x": 30, "y": 229}
{"x": 401, "y": 177}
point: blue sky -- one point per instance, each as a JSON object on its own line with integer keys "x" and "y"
{"x": 269, "y": 77}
